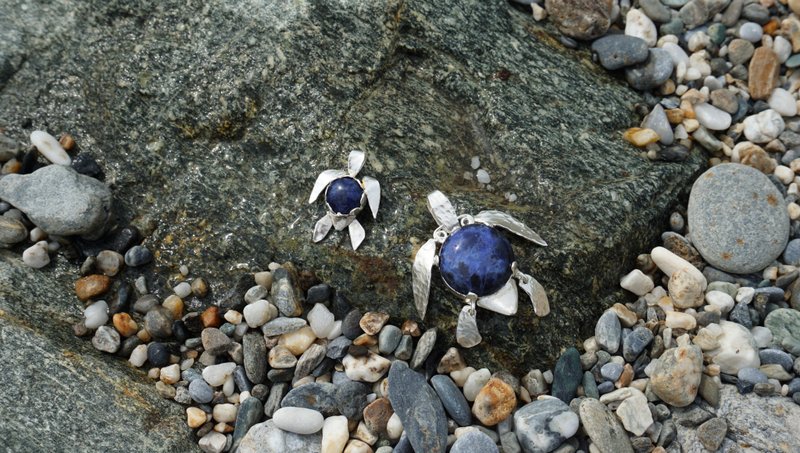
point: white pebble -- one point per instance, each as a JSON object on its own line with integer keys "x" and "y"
{"x": 483, "y": 176}
{"x": 182, "y": 290}
{"x": 723, "y": 302}
{"x": 367, "y": 368}
{"x": 229, "y": 386}
{"x": 782, "y": 48}
{"x": 475, "y": 162}
{"x": 763, "y": 127}
{"x": 657, "y": 121}
{"x": 784, "y": 173}
{"x": 669, "y": 262}
{"x": 336, "y": 330}
{"x": 36, "y": 255}
{"x": 679, "y": 320}
{"x": 138, "y": 356}
{"x": 321, "y": 320}
{"x": 334, "y": 434}
{"x": 637, "y": 282}
{"x": 53, "y": 246}
{"x": 216, "y": 375}
{"x": 233, "y": 317}
{"x": 745, "y": 294}
{"x": 49, "y": 147}
{"x": 259, "y": 313}
{"x": 794, "y": 210}
{"x": 711, "y": 117}
{"x": 698, "y": 41}
{"x": 677, "y": 54}
{"x": 213, "y": 442}
{"x": 225, "y": 413}
{"x": 184, "y": 270}
{"x": 95, "y": 315}
{"x": 460, "y": 376}
{"x": 639, "y": 25}
{"x": 298, "y": 420}
{"x": 475, "y": 383}
{"x": 762, "y": 336}
{"x": 37, "y": 234}
{"x": 170, "y": 374}
{"x": 751, "y": 31}
{"x": 783, "y": 102}
{"x": 394, "y": 428}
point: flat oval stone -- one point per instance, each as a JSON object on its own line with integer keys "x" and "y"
{"x": 452, "y": 399}
{"x": 476, "y": 259}
{"x": 738, "y": 219}
{"x": 545, "y": 424}
{"x": 343, "y": 195}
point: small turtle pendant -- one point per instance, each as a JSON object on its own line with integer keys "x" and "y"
{"x": 477, "y": 263}
{"x": 345, "y": 197}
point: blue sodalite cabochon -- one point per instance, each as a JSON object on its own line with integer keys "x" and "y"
{"x": 344, "y": 195}
{"x": 476, "y": 258}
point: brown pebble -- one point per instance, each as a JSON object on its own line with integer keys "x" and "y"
{"x": 763, "y": 73}
{"x": 174, "y": 304}
{"x": 195, "y": 417}
{"x": 67, "y": 142}
{"x": 377, "y": 414}
{"x": 640, "y": 137}
{"x": 627, "y": 317}
{"x": 92, "y": 286}
{"x": 12, "y": 166}
{"x": 357, "y": 351}
{"x": 372, "y": 322}
{"x": 410, "y": 327}
{"x": 199, "y": 287}
{"x": 144, "y": 336}
{"x": 365, "y": 340}
{"x": 754, "y": 156}
{"x": 674, "y": 116}
{"x": 771, "y": 27}
{"x": 211, "y": 317}
{"x": 626, "y": 377}
{"x": 79, "y": 329}
{"x": 125, "y": 325}
{"x": 494, "y": 403}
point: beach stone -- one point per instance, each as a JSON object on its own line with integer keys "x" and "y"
{"x": 138, "y": 255}
{"x": 319, "y": 396}
{"x": 452, "y": 399}
{"x": 424, "y": 347}
{"x": 543, "y": 425}
{"x": 92, "y": 286}
{"x": 266, "y": 437}
{"x": 619, "y": 51}
{"x": 737, "y": 217}
{"x": 748, "y": 378}
{"x": 580, "y": 19}
{"x": 763, "y": 73}
{"x": 12, "y": 231}
{"x": 634, "y": 413}
{"x": 676, "y": 377}
{"x": 608, "y": 332}
{"x": 281, "y": 325}
{"x": 419, "y": 409}
{"x": 724, "y": 100}
{"x": 603, "y": 427}
{"x": 567, "y": 375}
{"x": 694, "y": 13}
{"x": 763, "y": 127}
{"x": 652, "y": 73}
{"x": 158, "y": 323}
{"x": 254, "y": 350}
{"x": 711, "y": 117}
{"x": 298, "y": 420}
{"x": 712, "y": 433}
{"x": 250, "y": 412}
{"x": 784, "y": 323}
{"x": 106, "y": 339}
{"x": 351, "y": 399}
{"x": 494, "y": 403}
{"x": 368, "y": 368}
{"x": 776, "y": 356}
{"x": 635, "y": 342}
{"x": 60, "y": 201}
{"x": 36, "y": 256}
{"x": 737, "y": 349}
{"x": 657, "y": 121}
{"x": 474, "y": 441}
{"x": 637, "y": 24}
{"x": 389, "y": 338}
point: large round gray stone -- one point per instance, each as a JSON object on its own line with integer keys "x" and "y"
{"x": 737, "y": 218}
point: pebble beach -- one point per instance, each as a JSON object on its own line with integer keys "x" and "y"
{"x": 702, "y": 353}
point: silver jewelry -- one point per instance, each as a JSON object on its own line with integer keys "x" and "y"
{"x": 345, "y": 197}
{"x": 477, "y": 263}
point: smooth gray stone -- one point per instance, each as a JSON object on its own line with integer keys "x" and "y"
{"x": 608, "y": 332}
{"x": 256, "y": 126}
{"x": 474, "y": 442}
{"x": 116, "y": 401}
{"x": 250, "y": 412}
{"x": 351, "y": 398}
{"x": 320, "y": 396}
{"x": 738, "y": 219}
{"x": 255, "y": 357}
{"x": 634, "y": 343}
{"x": 267, "y": 438}
{"x": 389, "y": 338}
{"x": 424, "y": 348}
{"x": 280, "y": 326}
{"x": 603, "y": 427}
{"x": 452, "y": 399}
{"x": 60, "y": 200}
{"x": 652, "y": 73}
{"x": 567, "y": 375}
{"x": 275, "y": 397}
{"x": 619, "y": 51}
{"x": 419, "y": 409}
{"x": 543, "y": 425}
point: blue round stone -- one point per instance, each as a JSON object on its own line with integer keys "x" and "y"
{"x": 344, "y": 195}
{"x": 476, "y": 259}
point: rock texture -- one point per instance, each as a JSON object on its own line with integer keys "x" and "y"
{"x": 213, "y": 121}
{"x": 56, "y": 386}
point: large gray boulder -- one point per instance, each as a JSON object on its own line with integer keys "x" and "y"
{"x": 212, "y": 121}
{"x": 60, "y": 201}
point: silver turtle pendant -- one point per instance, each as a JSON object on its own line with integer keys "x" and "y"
{"x": 477, "y": 263}
{"x": 345, "y": 197}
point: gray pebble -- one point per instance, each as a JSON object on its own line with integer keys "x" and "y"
{"x": 338, "y": 347}
{"x": 158, "y": 323}
{"x": 106, "y": 339}
{"x": 452, "y": 399}
{"x": 652, "y": 73}
{"x": 474, "y": 442}
{"x": 783, "y": 359}
{"x": 748, "y": 378}
{"x": 656, "y": 10}
{"x": 618, "y": 51}
{"x": 389, "y": 338}
{"x": 404, "y": 348}
{"x": 608, "y": 331}
{"x": 424, "y": 348}
{"x": 351, "y": 399}
{"x": 138, "y": 255}
{"x": 319, "y": 396}
{"x": 200, "y": 391}
{"x": 634, "y": 343}
{"x": 611, "y": 371}
{"x": 276, "y": 394}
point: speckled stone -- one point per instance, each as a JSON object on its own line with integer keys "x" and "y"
{"x": 474, "y": 441}
{"x": 543, "y": 425}
{"x": 652, "y": 73}
{"x": 619, "y": 51}
{"x": 738, "y": 219}
{"x": 784, "y": 323}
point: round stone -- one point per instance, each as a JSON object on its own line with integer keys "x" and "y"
{"x": 344, "y": 195}
{"x": 738, "y": 219}
{"x": 476, "y": 259}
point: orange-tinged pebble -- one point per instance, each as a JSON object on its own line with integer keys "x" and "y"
{"x": 365, "y": 340}
{"x": 641, "y": 137}
{"x": 92, "y": 286}
{"x": 411, "y": 328}
{"x": 494, "y": 403}
{"x": 195, "y": 417}
{"x": 174, "y": 304}
{"x": 67, "y": 142}
{"x": 688, "y": 110}
{"x": 772, "y": 26}
{"x": 144, "y": 335}
{"x": 125, "y": 325}
{"x": 12, "y": 166}
{"x": 211, "y": 317}
{"x": 674, "y": 116}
